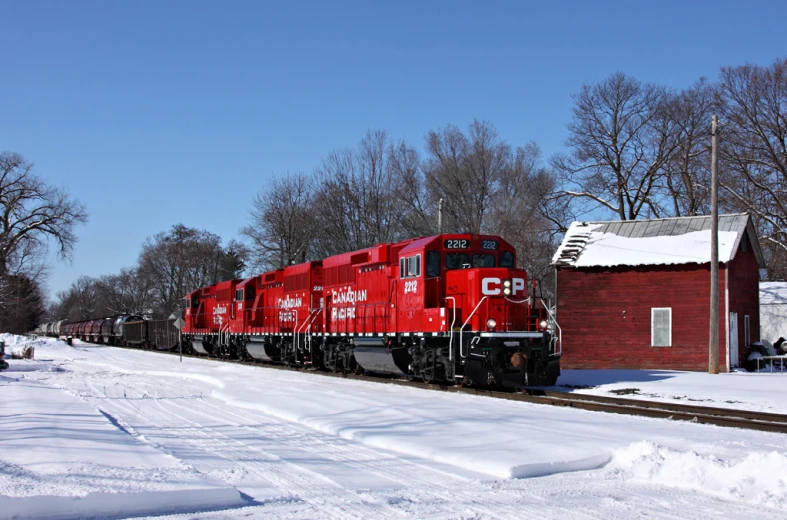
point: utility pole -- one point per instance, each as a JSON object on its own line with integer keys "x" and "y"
{"x": 440, "y": 217}
{"x": 713, "y": 348}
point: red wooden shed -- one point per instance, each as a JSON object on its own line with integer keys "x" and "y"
{"x": 636, "y": 294}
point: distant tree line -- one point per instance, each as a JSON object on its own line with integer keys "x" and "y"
{"x": 170, "y": 265}
{"x": 634, "y": 150}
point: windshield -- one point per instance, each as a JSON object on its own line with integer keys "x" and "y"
{"x": 456, "y": 260}
{"x": 507, "y": 259}
{"x": 484, "y": 260}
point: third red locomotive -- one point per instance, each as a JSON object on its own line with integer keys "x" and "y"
{"x": 450, "y": 308}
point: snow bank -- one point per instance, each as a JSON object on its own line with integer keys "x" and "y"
{"x": 109, "y": 505}
{"x": 759, "y": 478}
{"x": 16, "y": 344}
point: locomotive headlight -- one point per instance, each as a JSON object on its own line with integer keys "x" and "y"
{"x": 491, "y": 324}
{"x": 507, "y": 287}
{"x": 542, "y": 324}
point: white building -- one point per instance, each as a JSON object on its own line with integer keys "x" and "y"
{"x": 773, "y": 310}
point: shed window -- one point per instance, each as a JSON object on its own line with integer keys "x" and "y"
{"x": 746, "y": 330}
{"x": 661, "y": 326}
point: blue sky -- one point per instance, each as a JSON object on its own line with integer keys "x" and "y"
{"x": 155, "y": 113}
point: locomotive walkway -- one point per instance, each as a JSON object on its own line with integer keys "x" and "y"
{"x": 725, "y": 417}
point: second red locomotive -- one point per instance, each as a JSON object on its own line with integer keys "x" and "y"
{"x": 450, "y": 308}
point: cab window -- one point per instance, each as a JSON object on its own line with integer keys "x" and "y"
{"x": 456, "y": 260}
{"x": 249, "y": 294}
{"x": 239, "y": 295}
{"x": 483, "y": 260}
{"x": 433, "y": 263}
{"x": 507, "y": 259}
{"x": 414, "y": 266}
{"x": 410, "y": 267}
{"x": 195, "y": 302}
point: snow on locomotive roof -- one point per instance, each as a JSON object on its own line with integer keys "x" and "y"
{"x": 670, "y": 241}
{"x": 773, "y": 293}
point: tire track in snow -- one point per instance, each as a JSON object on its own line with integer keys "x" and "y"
{"x": 439, "y": 494}
{"x": 313, "y": 488}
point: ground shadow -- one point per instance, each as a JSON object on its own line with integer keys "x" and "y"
{"x": 571, "y": 380}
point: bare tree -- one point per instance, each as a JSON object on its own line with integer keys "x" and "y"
{"x": 85, "y": 299}
{"x": 417, "y": 205}
{"x": 465, "y": 171}
{"x": 177, "y": 262}
{"x": 282, "y": 225}
{"x": 33, "y": 213}
{"x": 124, "y": 293}
{"x": 355, "y": 204}
{"x": 517, "y": 210}
{"x": 620, "y": 141}
{"x": 753, "y": 100}
{"x": 687, "y": 170}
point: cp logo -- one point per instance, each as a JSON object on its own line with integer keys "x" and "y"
{"x": 494, "y": 286}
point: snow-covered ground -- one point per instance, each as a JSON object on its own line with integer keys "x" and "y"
{"x": 102, "y": 432}
{"x": 763, "y": 392}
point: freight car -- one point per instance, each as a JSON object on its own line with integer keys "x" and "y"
{"x": 449, "y": 308}
{"x": 107, "y": 331}
{"x": 151, "y": 334}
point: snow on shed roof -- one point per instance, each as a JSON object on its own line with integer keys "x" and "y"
{"x": 773, "y": 293}
{"x": 680, "y": 240}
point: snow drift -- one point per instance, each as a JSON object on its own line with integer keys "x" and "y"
{"x": 760, "y": 477}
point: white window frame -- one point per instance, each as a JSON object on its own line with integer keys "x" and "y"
{"x": 653, "y": 326}
{"x": 410, "y": 267}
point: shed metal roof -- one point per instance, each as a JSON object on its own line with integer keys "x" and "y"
{"x": 676, "y": 240}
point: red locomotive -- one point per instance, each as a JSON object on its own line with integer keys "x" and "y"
{"x": 444, "y": 309}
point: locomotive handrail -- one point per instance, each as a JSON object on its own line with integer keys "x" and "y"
{"x": 553, "y": 319}
{"x": 461, "y": 352}
{"x": 313, "y": 317}
{"x": 451, "y": 337}
{"x": 302, "y": 326}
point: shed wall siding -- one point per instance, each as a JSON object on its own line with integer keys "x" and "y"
{"x": 605, "y": 316}
{"x": 744, "y": 283}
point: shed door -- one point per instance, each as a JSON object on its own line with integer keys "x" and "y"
{"x": 733, "y": 340}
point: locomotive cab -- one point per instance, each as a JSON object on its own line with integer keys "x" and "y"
{"x": 480, "y": 324}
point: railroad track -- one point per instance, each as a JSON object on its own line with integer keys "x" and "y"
{"x": 726, "y": 417}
